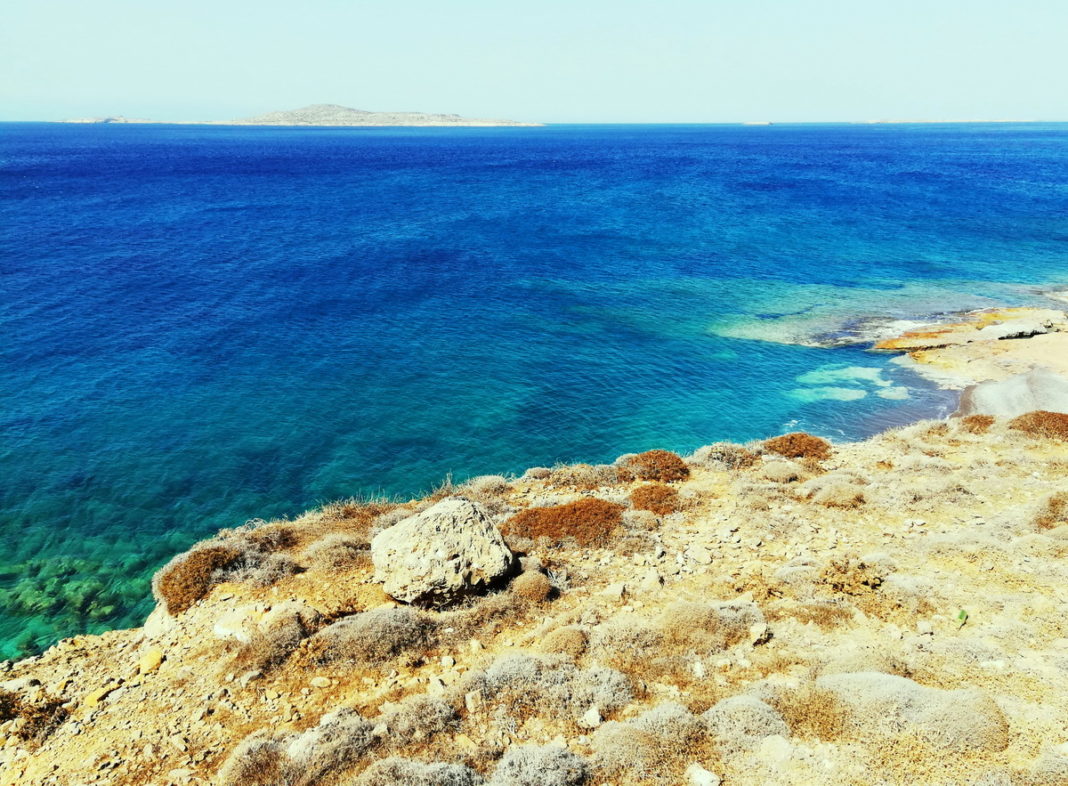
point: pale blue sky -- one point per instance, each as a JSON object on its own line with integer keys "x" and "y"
{"x": 549, "y": 60}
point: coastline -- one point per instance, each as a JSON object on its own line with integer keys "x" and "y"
{"x": 837, "y": 584}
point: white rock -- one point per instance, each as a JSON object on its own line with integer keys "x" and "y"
{"x": 591, "y": 719}
{"x": 441, "y": 554}
{"x": 1039, "y": 388}
{"x": 699, "y": 776}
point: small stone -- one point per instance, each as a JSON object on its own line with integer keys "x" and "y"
{"x": 448, "y": 661}
{"x": 95, "y": 697}
{"x": 320, "y": 682}
{"x": 249, "y": 676}
{"x": 925, "y": 628}
{"x": 150, "y": 661}
{"x": 591, "y": 719}
{"x": 699, "y": 776}
{"x": 615, "y": 591}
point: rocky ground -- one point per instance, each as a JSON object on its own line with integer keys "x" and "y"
{"x": 885, "y": 612}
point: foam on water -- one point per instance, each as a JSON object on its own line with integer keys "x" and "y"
{"x": 202, "y": 325}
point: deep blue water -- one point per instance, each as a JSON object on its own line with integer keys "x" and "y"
{"x": 201, "y": 325}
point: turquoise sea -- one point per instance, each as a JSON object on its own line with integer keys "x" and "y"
{"x": 203, "y": 325}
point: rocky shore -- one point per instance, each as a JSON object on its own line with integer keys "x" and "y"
{"x": 788, "y": 611}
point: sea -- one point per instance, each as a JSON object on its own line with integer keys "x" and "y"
{"x": 206, "y": 325}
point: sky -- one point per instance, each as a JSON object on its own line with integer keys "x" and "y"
{"x": 555, "y": 61}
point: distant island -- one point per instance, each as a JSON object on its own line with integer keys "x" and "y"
{"x": 326, "y": 115}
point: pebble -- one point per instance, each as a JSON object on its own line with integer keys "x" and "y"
{"x": 320, "y": 682}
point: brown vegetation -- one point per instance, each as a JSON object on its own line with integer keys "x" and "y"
{"x": 1040, "y": 423}
{"x": 799, "y": 445}
{"x": 1054, "y": 513}
{"x": 587, "y": 521}
{"x": 533, "y": 585}
{"x": 189, "y": 577}
{"x": 977, "y": 424}
{"x": 662, "y": 465}
{"x": 36, "y": 719}
{"x": 584, "y": 477}
{"x": 656, "y": 497}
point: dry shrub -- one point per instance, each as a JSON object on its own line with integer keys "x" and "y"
{"x": 399, "y": 771}
{"x": 657, "y": 497}
{"x": 1040, "y": 423}
{"x": 1055, "y": 511}
{"x": 337, "y": 552}
{"x": 532, "y": 585}
{"x": 810, "y": 712}
{"x": 271, "y": 647}
{"x": 708, "y": 627}
{"x": 584, "y": 477}
{"x": 548, "y": 686}
{"x": 309, "y": 758}
{"x": 851, "y": 575}
{"x": 541, "y": 765}
{"x": 188, "y": 577}
{"x": 589, "y": 520}
{"x": 977, "y": 424}
{"x": 726, "y": 455}
{"x": 662, "y": 465}
{"x": 569, "y": 640}
{"x": 653, "y": 749}
{"x": 799, "y": 445}
{"x": 418, "y": 718}
{"x": 373, "y": 637}
{"x": 739, "y": 723}
{"x": 259, "y": 760}
{"x": 827, "y": 614}
{"x": 38, "y": 718}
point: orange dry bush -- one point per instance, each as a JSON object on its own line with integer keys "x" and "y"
{"x": 1040, "y": 423}
{"x": 588, "y": 520}
{"x": 662, "y": 465}
{"x": 189, "y": 578}
{"x": 977, "y": 424}
{"x": 799, "y": 445}
{"x": 1055, "y": 513}
{"x": 656, "y": 497}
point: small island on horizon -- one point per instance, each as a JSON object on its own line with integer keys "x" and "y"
{"x": 322, "y": 115}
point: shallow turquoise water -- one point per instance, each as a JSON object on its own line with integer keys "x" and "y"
{"x": 204, "y": 325}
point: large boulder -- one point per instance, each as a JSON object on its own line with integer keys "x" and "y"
{"x": 436, "y": 557}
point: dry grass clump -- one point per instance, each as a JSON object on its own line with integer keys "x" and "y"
{"x": 810, "y": 712}
{"x": 739, "y": 723}
{"x": 708, "y": 627}
{"x": 725, "y": 455}
{"x": 662, "y": 465}
{"x": 587, "y": 521}
{"x": 310, "y": 758}
{"x": 399, "y": 771}
{"x": 799, "y": 445}
{"x": 654, "y": 748}
{"x": 35, "y": 720}
{"x": 851, "y": 575}
{"x": 1054, "y": 512}
{"x": 1040, "y": 423}
{"x": 532, "y": 585}
{"x": 541, "y": 765}
{"x": 656, "y": 497}
{"x": 977, "y": 424}
{"x": 190, "y": 576}
{"x": 247, "y": 554}
{"x": 524, "y": 686}
{"x": 827, "y": 614}
{"x": 337, "y": 551}
{"x": 374, "y": 637}
{"x": 269, "y": 648}
{"x": 418, "y": 718}
{"x": 569, "y": 640}
{"x": 584, "y": 477}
